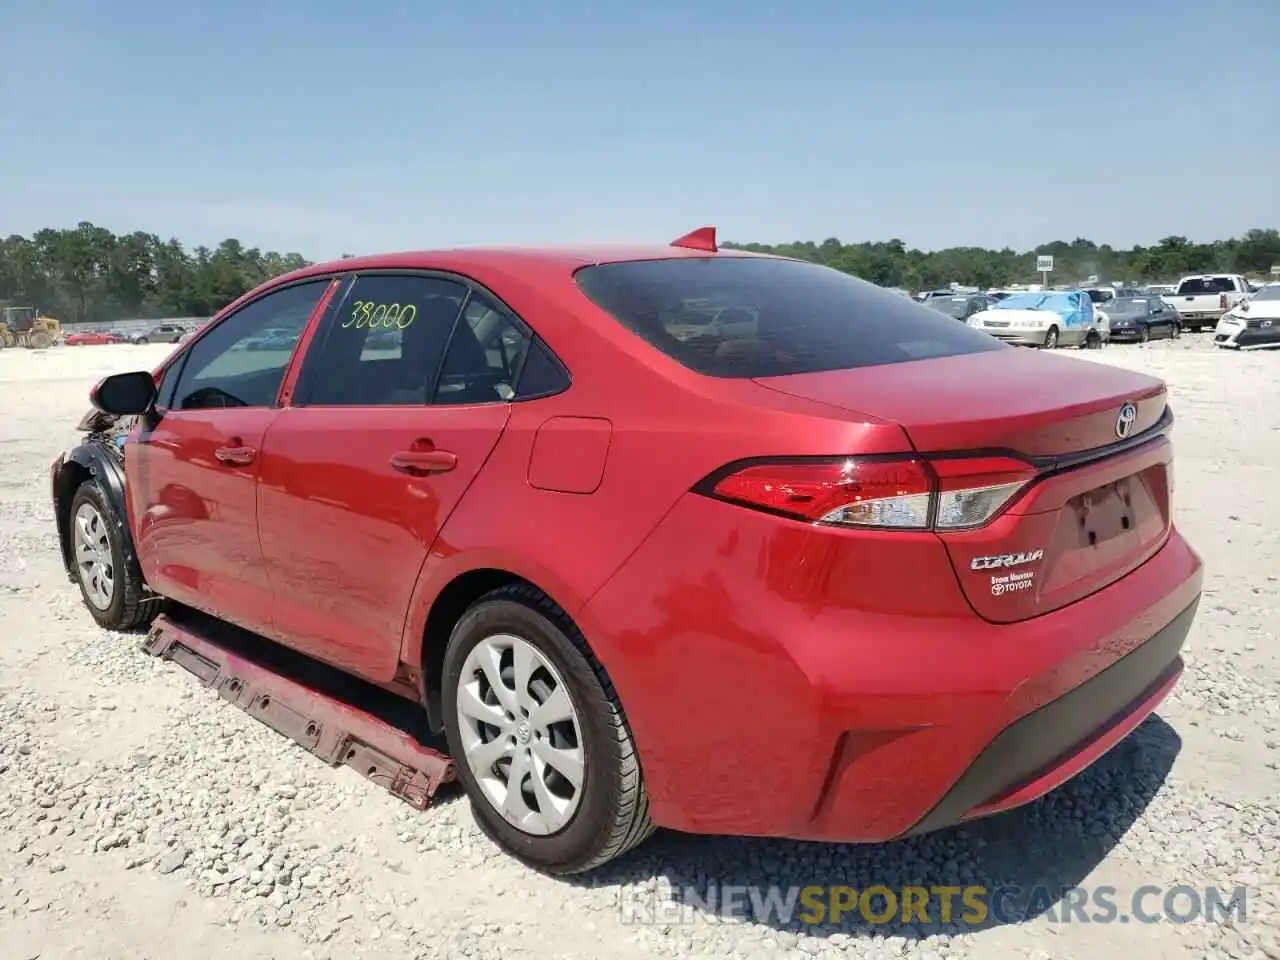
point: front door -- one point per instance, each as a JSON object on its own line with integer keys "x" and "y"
{"x": 192, "y": 470}
{"x": 398, "y": 406}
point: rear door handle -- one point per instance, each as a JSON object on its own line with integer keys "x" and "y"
{"x": 236, "y": 456}
{"x": 421, "y": 463}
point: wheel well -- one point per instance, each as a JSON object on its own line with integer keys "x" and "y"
{"x": 70, "y": 477}
{"x": 449, "y": 606}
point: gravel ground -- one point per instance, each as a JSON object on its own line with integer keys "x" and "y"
{"x": 140, "y": 817}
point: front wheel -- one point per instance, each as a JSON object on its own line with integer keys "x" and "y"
{"x": 1175, "y": 331}
{"x": 1051, "y": 338}
{"x": 1144, "y": 334}
{"x": 112, "y": 587}
{"x": 539, "y": 737}
{"x": 142, "y": 341}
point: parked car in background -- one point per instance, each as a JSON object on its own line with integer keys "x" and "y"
{"x": 1102, "y": 295}
{"x": 1043, "y": 319}
{"x": 854, "y": 547}
{"x": 1141, "y": 319}
{"x": 1202, "y": 300}
{"x": 162, "y": 333}
{"x": 1253, "y": 323}
{"x": 88, "y": 338}
{"x": 961, "y": 306}
{"x": 1159, "y": 289}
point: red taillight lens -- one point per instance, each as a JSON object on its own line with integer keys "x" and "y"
{"x": 1222, "y": 301}
{"x": 901, "y": 494}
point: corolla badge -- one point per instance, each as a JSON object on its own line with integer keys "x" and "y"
{"x": 1125, "y": 421}
{"x": 1006, "y": 560}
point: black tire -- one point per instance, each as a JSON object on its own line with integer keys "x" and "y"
{"x": 131, "y": 606}
{"x": 1175, "y": 331}
{"x": 142, "y": 341}
{"x": 1144, "y": 334}
{"x": 612, "y": 817}
{"x": 1051, "y": 338}
{"x": 1093, "y": 340}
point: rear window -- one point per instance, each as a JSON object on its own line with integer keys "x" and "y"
{"x": 1202, "y": 285}
{"x": 758, "y": 317}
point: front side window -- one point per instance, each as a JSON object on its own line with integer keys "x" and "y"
{"x": 790, "y": 316}
{"x": 241, "y": 361}
{"x": 383, "y": 343}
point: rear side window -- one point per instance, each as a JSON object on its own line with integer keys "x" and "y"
{"x": 1198, "y": 286}
{"x": 383, "y": 343}
{"x": 758, "y": 317}
{"x": 486, "y": 354}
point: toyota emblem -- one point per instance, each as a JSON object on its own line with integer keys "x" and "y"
{"x": 1124, "y": 422}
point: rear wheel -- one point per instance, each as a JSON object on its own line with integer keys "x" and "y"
{"x": 1051, "y": 338}
{"x": 541, "y": 743}
{"x": 1175, "y": 331}
{"x": 1093, "y": 340}
{"x": 113, "y": 589}
{"x": 142, "y": 341}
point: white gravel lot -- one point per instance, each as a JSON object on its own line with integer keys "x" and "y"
{"x": 140, "y": 817}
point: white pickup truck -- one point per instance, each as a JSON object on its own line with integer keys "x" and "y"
{"x": 1201, "y": 300}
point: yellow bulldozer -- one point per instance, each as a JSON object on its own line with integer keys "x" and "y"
{"x": 25, "y": 327}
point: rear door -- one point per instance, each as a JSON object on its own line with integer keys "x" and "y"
{"x": 193, "y": 470}
{"x": 401, "y": 397}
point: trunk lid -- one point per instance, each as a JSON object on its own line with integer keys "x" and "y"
{"x": 1099, "y": 507}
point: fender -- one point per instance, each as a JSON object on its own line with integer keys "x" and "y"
{"x": 96, "y": 458}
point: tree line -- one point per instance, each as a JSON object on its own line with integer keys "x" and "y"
{"x": 89, "y": 274}
{"x": 892, "y": 264}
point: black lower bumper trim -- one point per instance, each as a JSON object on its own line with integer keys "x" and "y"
{"x": 1046, "y": 737}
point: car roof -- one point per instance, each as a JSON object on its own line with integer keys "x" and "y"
{"x": 523, "y": 262}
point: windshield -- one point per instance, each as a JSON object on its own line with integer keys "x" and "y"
{"x": 1126, "y": 308}
{"x": 1026, "y": 301}
{"x": 951, "y": 306}
{"x": 1198, "y": 286}
{"x": 1269, "y": 292}
{"x": 789, "y": 317}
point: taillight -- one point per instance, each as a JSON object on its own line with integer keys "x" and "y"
{"x": 1222, "y": 300}
{"x": 900, "y": 494}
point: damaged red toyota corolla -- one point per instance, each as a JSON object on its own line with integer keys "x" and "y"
{"x": 650, "y": 532}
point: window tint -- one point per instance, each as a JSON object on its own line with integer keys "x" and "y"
{"x": 241, "y": 361}
{"x": 803, "y": 317}
{"x": 485, "y": 355}
{"x": 383, "y": 343}
{"x": 1201, "y": 285}
{"x": 542, "y": 374}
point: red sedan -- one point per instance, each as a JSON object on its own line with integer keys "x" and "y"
{"x": 92, "y": 338}
{"x": 666, "y": 536}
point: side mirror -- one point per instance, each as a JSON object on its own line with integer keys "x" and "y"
{"x": 124, "y": 394}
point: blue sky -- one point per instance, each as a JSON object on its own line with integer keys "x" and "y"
{"x": 316, "y": 126}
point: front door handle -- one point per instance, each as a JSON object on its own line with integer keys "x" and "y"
{"x": 236, "y": 456}
{"x": 422, "y": 463}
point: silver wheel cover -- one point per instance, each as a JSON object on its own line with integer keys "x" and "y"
{"x": 92, "y": 551}
{"x": 521, "y": 735}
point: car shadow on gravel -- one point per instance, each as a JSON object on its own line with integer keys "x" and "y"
{"x": 1025, "y": 859}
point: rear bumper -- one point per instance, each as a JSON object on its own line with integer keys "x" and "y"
{"x": 1052, "y": 744}
{"x": 782, "y": 681}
